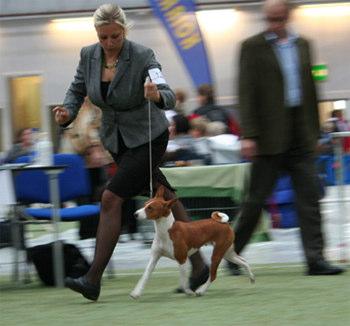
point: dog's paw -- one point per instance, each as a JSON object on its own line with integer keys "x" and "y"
{"x": 201, "y": 290}
{"x": 199, "y": 293}
{"x": 189, "y": 292}
{"x": 135, "y": 295}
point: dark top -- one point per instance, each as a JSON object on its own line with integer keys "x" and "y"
{"x": 213, "y": 113}
{"x": 104, "y": 89}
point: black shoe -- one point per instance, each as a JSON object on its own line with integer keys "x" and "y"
{"x": 233, "y": 268}
{"x": 321, "y": 267}
{"x": 196, "y": 282}
{"x": 179, "y": 290}
{"x": 82, "y": 286}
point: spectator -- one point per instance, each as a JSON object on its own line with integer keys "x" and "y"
{"x": 198, "y": 126}
{"x": 207, "y": 106}
{"x": 216, "y": 128}
{"x": 83, "y": 138}
{"x": 326, "y": 141}
{"x": 180, "y": 105}
{"x": 341, "y": 124}
{"x": 181, "y": 149}
{"x": 23, "y": 145}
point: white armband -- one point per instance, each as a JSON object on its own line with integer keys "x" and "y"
{"x": 156, "y": 76}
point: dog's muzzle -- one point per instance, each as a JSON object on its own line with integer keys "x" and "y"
{"x": 140, "y": 214}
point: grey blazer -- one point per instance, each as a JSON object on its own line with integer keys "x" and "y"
{"x": 125, "y": 109}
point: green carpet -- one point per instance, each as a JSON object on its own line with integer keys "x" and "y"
{"x": 281, "y": 296}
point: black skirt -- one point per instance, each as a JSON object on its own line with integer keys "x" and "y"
{"x": 132, "y": 175}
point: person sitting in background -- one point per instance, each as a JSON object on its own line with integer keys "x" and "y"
{"x": 23, "y": 145}
{"x": 325, "y": 144}
{"x": 208, "y": 108}
{"x": 82, "y": 138}
{"x": 181, "y": 150}
{"x": 211, "y": 140}
{"x": 216, "y": 128}
{"x": 198, "y": 131}
{"x": 198, "y": 126}
{"x": 341, "y": 125}
{"x": 180, "y": 105}
{"x": 225, "y": 147}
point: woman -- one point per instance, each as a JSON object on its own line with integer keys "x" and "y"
{"x": 113, "y": 74}
{"x": 23, "y": 145}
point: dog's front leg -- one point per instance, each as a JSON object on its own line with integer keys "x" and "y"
{"x": 136, "y": 293}
{"x": 184, "y": 279}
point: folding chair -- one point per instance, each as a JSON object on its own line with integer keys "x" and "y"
{"x": 33, "y": 187}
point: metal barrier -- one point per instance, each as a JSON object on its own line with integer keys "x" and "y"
{"x": 342, "y": 199}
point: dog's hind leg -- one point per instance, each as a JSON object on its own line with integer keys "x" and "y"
{"x": 232, "y": 256}
{"x": 136, "y": 293}
{"x": 216, "y": 258}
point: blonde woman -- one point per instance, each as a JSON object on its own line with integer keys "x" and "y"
{"x": 113, "y": 73}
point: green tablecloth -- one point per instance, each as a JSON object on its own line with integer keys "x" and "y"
{"x": 227, "y": 180}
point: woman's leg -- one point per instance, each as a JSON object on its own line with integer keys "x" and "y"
{"x": 107, "y": 235}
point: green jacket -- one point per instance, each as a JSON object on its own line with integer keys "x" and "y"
{"x": 264, "y": 116}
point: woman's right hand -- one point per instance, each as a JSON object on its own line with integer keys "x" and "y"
{"x": 61, "y": 114}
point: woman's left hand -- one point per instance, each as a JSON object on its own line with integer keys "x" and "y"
{"x": 151, "y": 91}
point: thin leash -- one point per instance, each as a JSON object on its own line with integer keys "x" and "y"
{"x": 150, "y": 150}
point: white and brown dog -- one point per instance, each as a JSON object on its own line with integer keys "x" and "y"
{"x": 179, "y": 240}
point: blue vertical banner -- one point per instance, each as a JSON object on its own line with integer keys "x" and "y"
{"x": 179, "y": 19}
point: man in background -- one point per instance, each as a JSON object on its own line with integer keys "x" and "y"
{"x": 280, "y": 128}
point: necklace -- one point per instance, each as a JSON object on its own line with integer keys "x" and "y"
{"x": 109, "y": 65}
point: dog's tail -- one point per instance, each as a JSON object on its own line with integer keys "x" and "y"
{"x": 220, "y": 217}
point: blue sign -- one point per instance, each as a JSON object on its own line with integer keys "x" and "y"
{"x": 179, "y": 19}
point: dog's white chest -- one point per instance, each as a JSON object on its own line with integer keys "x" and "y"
{"x": 162, "y": 242}
{"x": 164, "y": 245}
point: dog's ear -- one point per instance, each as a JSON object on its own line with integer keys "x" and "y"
{"x": 160, "y": 192}
{"x": 170, "y": 202}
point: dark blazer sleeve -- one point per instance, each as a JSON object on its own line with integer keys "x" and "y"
{"x": 77, "y": 90}
{"x": 248, "y": 92}
{"x": 167, "y": 95}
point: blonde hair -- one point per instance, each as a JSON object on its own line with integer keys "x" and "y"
{"x": 215, "y": 128}
{"x": 110, "y": 13}
{"x": 199, "y": 123}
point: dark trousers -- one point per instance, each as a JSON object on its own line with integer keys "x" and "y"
{"x": 265, "y": 171}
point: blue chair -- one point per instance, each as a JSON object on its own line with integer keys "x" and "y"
{"x": 325, "y": 164}
{"x": 283, "y": 192}
{"x": 347, "y": 169}
{"x": 282, "y": 200}
{"x": 33, "y": 187}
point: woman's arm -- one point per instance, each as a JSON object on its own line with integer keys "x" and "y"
{"x": 166, "y": 95}
{"x": 76, "y": 93}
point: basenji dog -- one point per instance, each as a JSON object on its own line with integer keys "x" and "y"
{"x": 178, "y": 240}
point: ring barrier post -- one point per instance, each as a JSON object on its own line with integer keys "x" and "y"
{"x": 342, "y": 199}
